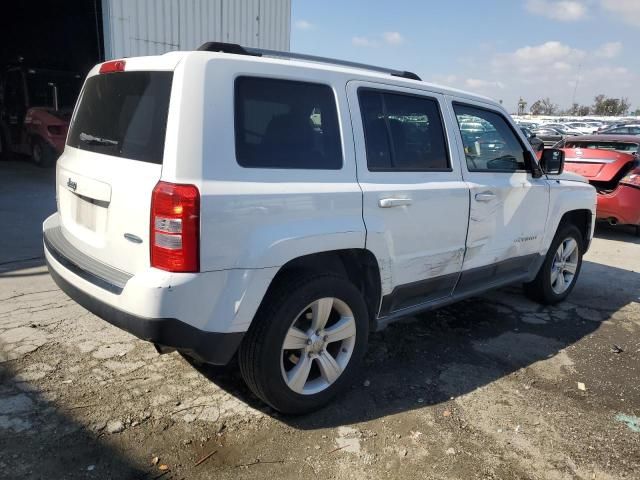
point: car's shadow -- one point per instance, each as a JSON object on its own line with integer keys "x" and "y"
{"x": 621, "y": 233}
{"x": 41, "y": 438}
{"x": 427, "y": 360}
{"x": 28, "y": 196}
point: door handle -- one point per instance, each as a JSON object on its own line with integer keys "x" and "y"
{"x": 485, "y": 197}
{"x": 393, "y": 202}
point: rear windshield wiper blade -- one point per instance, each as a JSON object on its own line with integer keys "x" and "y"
{"x": 91, "y": 140}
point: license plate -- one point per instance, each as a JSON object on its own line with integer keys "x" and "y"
{"x": 85, "y": 214}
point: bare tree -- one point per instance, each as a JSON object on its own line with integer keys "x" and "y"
{"x": 544, "y": 106}
{"x": 625, "y": 105}
{"x": 583, "y": 110}
{"x": 578, "y": 110}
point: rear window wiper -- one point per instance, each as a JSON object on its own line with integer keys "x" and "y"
{"x": 91, "y": 140}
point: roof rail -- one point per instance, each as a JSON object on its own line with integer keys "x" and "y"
{"x": 259, "y": 52}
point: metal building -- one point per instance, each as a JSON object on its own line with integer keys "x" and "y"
{"x": 151, "y": 27}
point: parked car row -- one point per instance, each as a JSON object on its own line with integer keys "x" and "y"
{"x": 587, "y": 127}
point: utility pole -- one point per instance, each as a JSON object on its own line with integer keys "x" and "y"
{"x": 575, "y": 88}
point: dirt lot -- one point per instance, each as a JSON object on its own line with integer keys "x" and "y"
{"x": 489, "y": 388}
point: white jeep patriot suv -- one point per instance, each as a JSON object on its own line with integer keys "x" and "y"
{"x": 279, "y": 207}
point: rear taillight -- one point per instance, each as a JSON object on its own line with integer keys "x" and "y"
{"x": 56, "y": 129}
{"x": 632, "y": 178}
{"x": 175, "y": 227}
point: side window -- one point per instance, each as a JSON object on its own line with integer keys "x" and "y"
{"x": 495, "y": 148}
{"x": 286, "y": 124}
{"x": 402, "y": 132}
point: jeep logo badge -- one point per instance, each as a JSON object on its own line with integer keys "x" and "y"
{"x": 72, "y": 185}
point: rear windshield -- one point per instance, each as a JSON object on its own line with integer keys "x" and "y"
{"x": 123, "y": 114}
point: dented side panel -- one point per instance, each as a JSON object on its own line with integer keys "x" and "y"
{"x": 508, "y": 210}
{"x": 421, "y": 241}
{"x": 513, "y": 224}
{"x": 422, "y": 236}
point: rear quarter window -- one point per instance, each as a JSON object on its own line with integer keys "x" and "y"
{"x": 286, "y": 124}
{"x": 123, "y": 114}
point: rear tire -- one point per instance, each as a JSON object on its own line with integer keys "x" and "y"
{"x": 559, "y": 273}
{"x": 42, "y": 154}
{"x": 317, "y": 366}
{"x": 4, "y": 147}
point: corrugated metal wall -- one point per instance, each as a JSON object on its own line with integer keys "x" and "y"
{"x": 150, "y": 27}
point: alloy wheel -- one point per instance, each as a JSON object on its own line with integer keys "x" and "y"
{"x": 36, "y": 154}
{"x": 564, "y": 265}
{"x": 318, "y": 346}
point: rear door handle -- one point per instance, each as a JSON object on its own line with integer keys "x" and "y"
{"x": 485, "y": 197}
{"x": 393, "y": 202}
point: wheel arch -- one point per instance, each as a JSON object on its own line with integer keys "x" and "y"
{"x": 570, "y": 202}
{"x": 583, "y": 219}
{"x": 358, "y": 265}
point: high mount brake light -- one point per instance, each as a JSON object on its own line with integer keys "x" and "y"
{"x": 175, "y": 227}
{"x": 112, "y": 66}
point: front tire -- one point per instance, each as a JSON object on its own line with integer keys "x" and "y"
{"x": 559, "y": 272}
{"x": 305, "y": 343}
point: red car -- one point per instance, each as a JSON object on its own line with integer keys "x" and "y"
{"x": 611, "y": 164}
{"x": 47, "y": 128}
{"x": 35, "y": 109}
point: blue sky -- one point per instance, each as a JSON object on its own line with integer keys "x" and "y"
{"x": 501, "y": 48}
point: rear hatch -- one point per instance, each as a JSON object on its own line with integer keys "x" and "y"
{"x": 603, "y": 168}
{"x": 112, "y": 161}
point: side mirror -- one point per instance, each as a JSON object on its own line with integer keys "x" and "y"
{"x": 552, "y": 161}
{"x": 532, "y": 164}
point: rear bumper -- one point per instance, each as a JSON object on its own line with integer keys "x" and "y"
{"x": 211, "y": 347}
{"x": 623, "y": 205}
{"x": 205, "y": 314}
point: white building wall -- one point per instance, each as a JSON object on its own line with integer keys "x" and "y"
{"x": 151, "y": 27}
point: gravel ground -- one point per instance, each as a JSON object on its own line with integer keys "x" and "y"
{"x": 493, "y": 387}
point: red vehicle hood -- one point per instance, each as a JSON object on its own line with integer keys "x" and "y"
{"x": 597, "y": 165}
